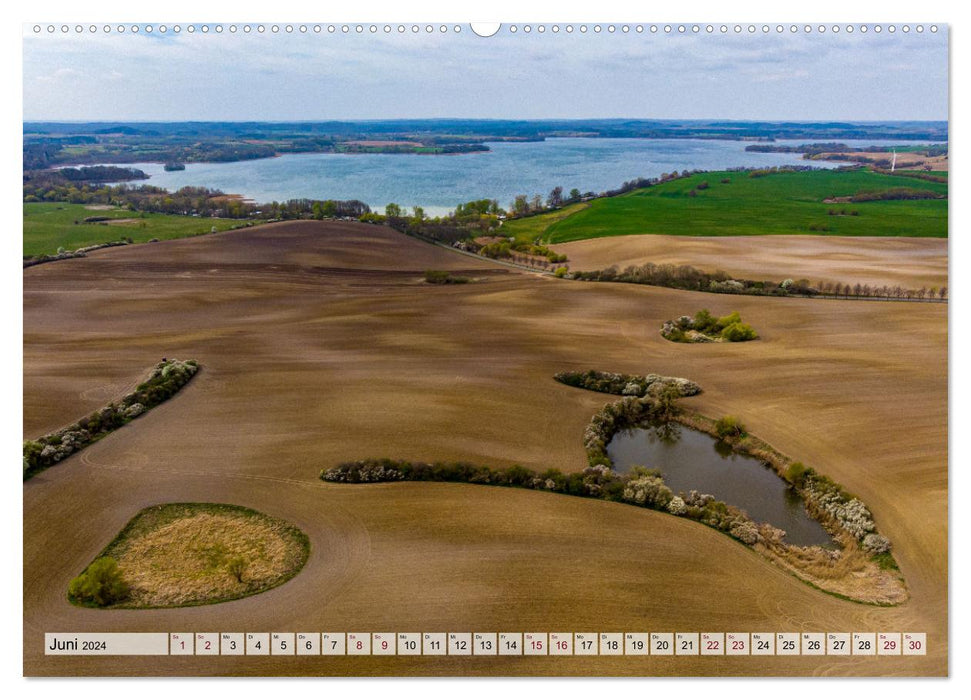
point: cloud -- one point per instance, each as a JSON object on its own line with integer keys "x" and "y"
{"x": 58, "y": 75}
{"x": 337, "y": 76}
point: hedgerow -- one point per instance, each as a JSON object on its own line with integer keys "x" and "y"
{"x": 641, "y": 487}
{"x": 165, "y": 380}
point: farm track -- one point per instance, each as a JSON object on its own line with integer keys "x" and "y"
{"x": 309, "y": 361}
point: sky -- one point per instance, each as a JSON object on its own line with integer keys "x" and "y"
{"x": 318, "y": 76}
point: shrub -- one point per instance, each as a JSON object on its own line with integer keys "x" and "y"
{"x": 100, "y": 584}
{"x": 436, "y": 276}
{"x": 561, "y": 271}
{"x": 706, "y": 327}
{"x": 623, "y": 384}
{"x": 236, "y": 567}
{"x": 729, "y": 427}
{"x": 876, "y": 544}
{"x": 796, "y": 474}
{"x": 730, "y": 319}
{"x": 745, "y": 531}
{"x": 704, "y": 321}
{"x": 649, "y": 491}
{"x": 738, "y": 332}
{"x": 443, "y": 277}
{"x": 677, "y": 506}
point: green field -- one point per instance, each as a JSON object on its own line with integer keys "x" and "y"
{"x": 52, "y": 225}
{"x": 533, "y": 227}
{"x": 777, "y": 204}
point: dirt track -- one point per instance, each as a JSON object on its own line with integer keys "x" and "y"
{"x": 320, "y": 343}
{"x": 910, "y": 262}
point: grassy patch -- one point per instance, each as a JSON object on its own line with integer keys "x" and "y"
{"x": 182, "y": 554}
{"x": 886, "y": 561}
{"x": 736, "y": 204}
{"x": 51, "y": 225}
{"x": 529, "y": 228}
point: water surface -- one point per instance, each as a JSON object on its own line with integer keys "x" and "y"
{"x": 690, "y": 459}
{"x": 439, "y": 182}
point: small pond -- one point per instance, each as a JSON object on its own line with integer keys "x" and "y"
{"x": 689, "y": 459}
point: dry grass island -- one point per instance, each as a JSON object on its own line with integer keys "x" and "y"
{"x": 179, "y": 554}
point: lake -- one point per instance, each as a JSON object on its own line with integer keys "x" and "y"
{"x": 440, "y": 182}
{"x": 689, "y": 459}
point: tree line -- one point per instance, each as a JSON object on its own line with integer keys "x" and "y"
{"x": 691, "y": 278}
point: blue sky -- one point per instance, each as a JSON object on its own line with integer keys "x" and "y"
{"x": 372, "y": 76}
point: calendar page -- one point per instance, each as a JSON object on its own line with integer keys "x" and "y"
{"x": 424, "y": 348}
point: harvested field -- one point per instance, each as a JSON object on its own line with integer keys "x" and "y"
{"x": 180, "y": 554}
{"x": 321, "y": 343}
{"x": 910, "y": 262}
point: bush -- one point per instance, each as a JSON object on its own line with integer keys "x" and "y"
{"x": 101, "y": 584}
{"x": 729, "y": 427}
{"x": 443, "y": 277}
{"x": 236, "y": 567}
{"x": 649, "y": 491}
{"x": 624, "y": 384}
{"x": 730, "y": 319}
{"x": 745, "y": 531}
{"x": 738, "y": 332}
{"x": 876, "y": 544}
{"x": 704, "y": 321}
{"x": 677, "y": 506}
{"x": 707, "y": 328}
{"x": 436, "y": 276}
{"x": 796, "y": 474}
{"x": 561, "y": 271}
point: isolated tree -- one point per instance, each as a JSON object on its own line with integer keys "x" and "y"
{"x": 575, "y": 195}
{"x": 537, "y": 203}
{"x": 520, "y": 205}
{"x": 101, "y": 584}
{"x": 393, "y": 210}
{"x": 556, "y": 197}
{"x": 942, "y": 292}
{"x": 419, "y": 214}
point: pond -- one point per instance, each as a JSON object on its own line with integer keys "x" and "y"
{"x": 689, "y": 459}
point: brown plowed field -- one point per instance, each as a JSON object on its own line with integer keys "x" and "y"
{"x": 910, "y": 262}
{"x": 320, "y": 343}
